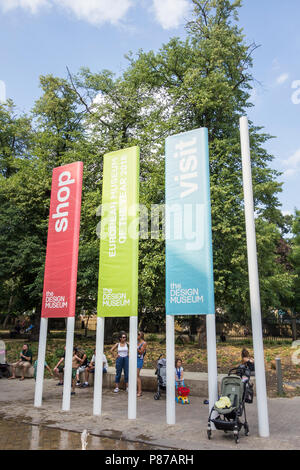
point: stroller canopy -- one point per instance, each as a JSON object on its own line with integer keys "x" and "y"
{"x": 233, "y": 388}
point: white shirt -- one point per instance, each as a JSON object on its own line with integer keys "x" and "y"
{"x": 122, "y": 350}
{"x": 105, "y": 364}
{"x": 178, "y": 371}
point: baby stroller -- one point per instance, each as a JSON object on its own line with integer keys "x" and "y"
{"x": 161, "y": 372}
{"x": 239, "y": 390}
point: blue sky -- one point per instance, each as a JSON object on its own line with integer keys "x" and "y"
{"x": 43, "y": 36}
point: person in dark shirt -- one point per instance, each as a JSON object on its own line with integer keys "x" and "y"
{"x": 248, "y": 361}
{"x": 24, "y": 363}
{"x": 83, "y": 365}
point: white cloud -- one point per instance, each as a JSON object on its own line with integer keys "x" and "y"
{"x": 290, "y": 172}
{"x": 32, "y": 5}
{"x": 171, "y": 13}
{"x": 292, "y": 165}
{"x": 168, "y": 13}
{"x": 275, "y": 64}
{"x": 282, "y": 78}
{"x": 97, "y": 11}
{"x": 294, "y": 160}
{"x": 2, "y": 92}
{"x": 254, "y": 95}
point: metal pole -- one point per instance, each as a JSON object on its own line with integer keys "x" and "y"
{"x": 133, "y": 327}
{"x": 170, "y": 356}
{"x": 38, "y": 397}
{"x": 279, "y": 376}
{"x": 98, "y": 375}
{"x": 212, "y": 360}
{"x": 261, "y": 391}
{"x": 68, "y": 364}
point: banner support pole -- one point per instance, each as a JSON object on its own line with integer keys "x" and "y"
{"x": 38, "y": 397}
{"x": 258, "y": 345}
{"x": 68, "y": 364}
{"x": 212, "y": 360}
{"x": 170, "y": 356}
{"x": 133, "y": 327}
{"x": 98, "y": 376}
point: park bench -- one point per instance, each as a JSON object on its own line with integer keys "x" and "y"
{"x": 197, "y": 381}
{"x": 29, "y": 374}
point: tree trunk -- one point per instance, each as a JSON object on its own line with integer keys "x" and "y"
{"x": 194, "y": 324}
{"x": 294, "y": 329}
{"x": 6, "y": 321}
{"x": 109, "y": 329}
{"x": 202, "y": 340}
{"x": 86, "y": 327}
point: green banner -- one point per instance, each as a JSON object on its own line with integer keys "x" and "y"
{"x": 118, "y": 270}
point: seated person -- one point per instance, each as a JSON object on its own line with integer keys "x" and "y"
{"x": 59, "y": 369}
{"x": 46, "y": 366}
{"x": 82, "y": 367}
{"x": 76, "y": 362}
{"x": 91, "y": 368}
{"x": 24, "y": 363}
{"x": 248, "y": 361}
{"x": 18, "y": 328}
{"x": 29, "y": 328}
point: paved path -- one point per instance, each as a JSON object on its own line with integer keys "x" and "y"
{"x": 16, "y": 402}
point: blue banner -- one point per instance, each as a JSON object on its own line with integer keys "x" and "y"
{"x": 189, "y": 262}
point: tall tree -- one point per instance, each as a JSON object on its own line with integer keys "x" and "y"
{"x": 206, "y": 81}
{"x": 295, "y": 261}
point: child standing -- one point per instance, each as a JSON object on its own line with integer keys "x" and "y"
{"x": 179, "y": 381}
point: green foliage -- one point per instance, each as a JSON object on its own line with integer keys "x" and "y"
{"x": 295, "y": 261}
{"x": 204, "y": 80}
{"x": 152, "y": 337}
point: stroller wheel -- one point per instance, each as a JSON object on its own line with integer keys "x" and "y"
{"x": 236, "y": 434}
{"x": 157, "y": 396}
{"x": 209, "y": 434}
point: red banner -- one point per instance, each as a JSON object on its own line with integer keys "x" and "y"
{"x": 60, "y": 281}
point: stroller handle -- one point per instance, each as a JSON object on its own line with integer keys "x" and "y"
{"x": 241, "y": 368}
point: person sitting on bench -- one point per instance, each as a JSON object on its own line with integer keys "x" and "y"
{"x": 91, "y": 369}
{"x": 24, "y": 363}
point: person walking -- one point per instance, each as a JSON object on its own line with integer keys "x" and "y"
{"x": 141, "y": 352}
{"x": 122, "y": 361}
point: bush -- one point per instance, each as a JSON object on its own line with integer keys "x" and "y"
{"x": 152, "y": 337}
